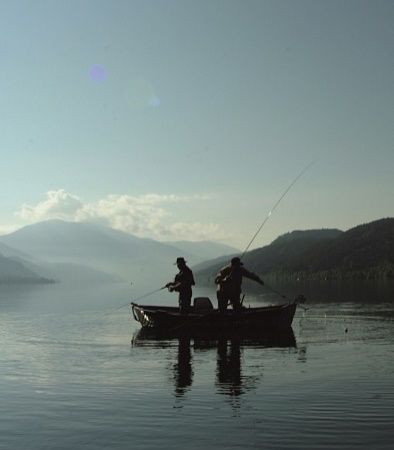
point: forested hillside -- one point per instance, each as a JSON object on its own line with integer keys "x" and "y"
{"x": 363, "y": 252}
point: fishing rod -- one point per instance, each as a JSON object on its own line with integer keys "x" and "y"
{"x": 275, "y": 206}
{"x": 139, "y": 298}
{"x": 300, "y": 298}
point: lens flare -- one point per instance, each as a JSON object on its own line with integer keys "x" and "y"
{"x": 140, "y": 93}
{"x": 97, "y": 73}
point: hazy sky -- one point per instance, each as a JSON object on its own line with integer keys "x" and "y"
{"x": 185, "y": 119}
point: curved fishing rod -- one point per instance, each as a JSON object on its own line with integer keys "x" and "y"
{"x": 275, "y": 206}
{"x": 300, "y": 298}
{"x": 139, "y": 298}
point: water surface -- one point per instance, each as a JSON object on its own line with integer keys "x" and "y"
{"x": 73, "y": 375}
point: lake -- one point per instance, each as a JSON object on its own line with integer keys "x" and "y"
{"x": 75, "y": 373}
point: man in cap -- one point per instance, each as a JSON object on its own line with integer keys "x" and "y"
{"x": 229, "y": 283}
{"x": 182, "y": 284}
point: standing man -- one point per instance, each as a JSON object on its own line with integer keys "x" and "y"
{"x": 183, "y": 283}
{"x": 229, "y": 283}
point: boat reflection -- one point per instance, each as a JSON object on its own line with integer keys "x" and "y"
{"x": 230, "y": 379}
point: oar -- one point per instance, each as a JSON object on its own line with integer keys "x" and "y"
{"x": 139, "y": 298}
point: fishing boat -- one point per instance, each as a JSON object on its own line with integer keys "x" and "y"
{"x": 204, "y": 318}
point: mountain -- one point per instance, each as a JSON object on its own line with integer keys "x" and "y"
{"x": 83, "y": 251}
{"x": 204, "y": 250}
{"x": 11, "y": 268}
{"x": 267, "y": 259}
{"x": 13, "y": 271}
{"x": 116, "y": 253}
{"x": 7, "y": 251}
{"x": 19, "y": 267}
{"x": 366, "y": 251}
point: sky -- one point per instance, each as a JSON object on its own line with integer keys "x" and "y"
{"x": 189, "y": 120}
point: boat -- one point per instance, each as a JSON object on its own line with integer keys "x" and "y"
{"x": 204, "y": 318}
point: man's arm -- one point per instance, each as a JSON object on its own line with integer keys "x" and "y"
{"x": 252, "y": 276}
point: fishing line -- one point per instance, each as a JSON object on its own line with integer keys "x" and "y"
{"x": 299, "y": 300}
{"x": 139, "y": 298}
{"x": 275, "y": 206}
{"x": 265, "y": 221}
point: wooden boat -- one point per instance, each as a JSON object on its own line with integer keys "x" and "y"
{"x": 204, "y": 318}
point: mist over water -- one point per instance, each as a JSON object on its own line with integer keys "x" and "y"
{"x": 75, "y": 372}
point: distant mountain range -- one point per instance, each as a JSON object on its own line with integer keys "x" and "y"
{"x": 363, "y": 252}
{"x": 58, "y": 250}
{"x": 67, "y": 251}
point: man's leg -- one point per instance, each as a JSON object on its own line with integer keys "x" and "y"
{"x": 184, "y": 304}
{"x": 222, "y": 301}
{"x": 236, "y": 303}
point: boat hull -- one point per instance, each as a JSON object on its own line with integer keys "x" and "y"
{"x": 267, "y": 319}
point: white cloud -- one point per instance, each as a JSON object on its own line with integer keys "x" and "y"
{"x": 143, "y": 216}
{"x": 58, "y": 205}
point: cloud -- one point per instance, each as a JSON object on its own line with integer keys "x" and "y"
{"x": 58, "y": 205}
{"x": 144, "y": 216}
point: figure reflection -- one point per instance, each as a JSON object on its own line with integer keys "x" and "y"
{"x": 183, "y": 371}
{"x": 228, "y": 371}
{"x": 229, "y": 376}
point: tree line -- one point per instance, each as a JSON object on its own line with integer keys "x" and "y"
{"x": 363, "y": 252}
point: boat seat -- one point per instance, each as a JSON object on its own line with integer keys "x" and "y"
{"x": 202, "y": 304}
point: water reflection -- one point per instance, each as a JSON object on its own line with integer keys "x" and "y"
{"x": 229, "y": 376}
{"x": 228, "y": 373}
{"x": 183, "y": 370}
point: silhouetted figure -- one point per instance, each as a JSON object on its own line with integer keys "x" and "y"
{"x": 229, "y": 284}
{"x": 182, "y": 284}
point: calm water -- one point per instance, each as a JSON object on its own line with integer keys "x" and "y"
{"x": 73, "y": 376}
